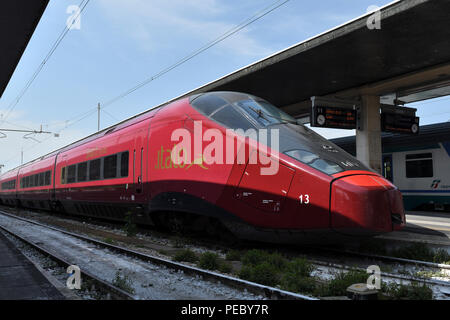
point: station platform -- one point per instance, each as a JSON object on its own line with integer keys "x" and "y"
{"x": 426, "y": 227}
{"x": 19, "y": 277}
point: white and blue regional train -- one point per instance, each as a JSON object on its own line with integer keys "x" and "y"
{"x": 418, "y": 165}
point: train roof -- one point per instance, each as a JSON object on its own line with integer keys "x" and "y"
{"x": 428, "y": 135}
{"x": 125, "y": 123}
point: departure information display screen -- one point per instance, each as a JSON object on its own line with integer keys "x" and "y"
{"x": 333, "y": 117}
{"x": 399, "y": 123}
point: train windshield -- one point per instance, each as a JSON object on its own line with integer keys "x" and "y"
{"x": 313, "y": 160}
{"x": 237, "y": 110}
{"x": 264, "y": 113}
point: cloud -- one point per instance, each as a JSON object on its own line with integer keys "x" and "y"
{"x": 160, "y": 24}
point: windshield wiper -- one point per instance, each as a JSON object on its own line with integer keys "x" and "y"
{"x": 259, "y": 112}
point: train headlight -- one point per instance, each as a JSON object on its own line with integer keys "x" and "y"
{"x": 313, "y": 160}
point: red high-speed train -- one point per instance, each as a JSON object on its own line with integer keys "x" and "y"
{"x": 318, "y": 190}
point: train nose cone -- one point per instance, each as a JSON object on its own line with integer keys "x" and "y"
{"x": 365, "y": 204}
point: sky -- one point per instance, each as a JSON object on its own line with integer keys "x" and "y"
{"x": 121, "y": 43}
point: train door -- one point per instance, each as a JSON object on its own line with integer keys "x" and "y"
{"x": 388, "y": 167}
{"x": 63, "y": 172}
{"x": 139, "y": 168}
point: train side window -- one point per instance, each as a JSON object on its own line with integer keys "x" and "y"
{"x": 63, "y": 175}
{"x": 110, "y": 167}
{"x": 124, "y": 163}
{"x": 419, "y": 165}
{"x": 71, "y": 174}
{"x": 10, "y": 185}
{"x": 82, "y": 172}
{"x": 41, "y": 179}
{"x": 36, "y": 180}
{"x": 94, "y": 169}
{"x": 48, "y": 178}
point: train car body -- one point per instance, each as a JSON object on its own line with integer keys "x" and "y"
{"x": 217, "y": 162}
{"x": 419, "y": 165}
{"x": 423, "y": 176}
{"x": 8, "y": 187}
{"x": 35, "y": 189}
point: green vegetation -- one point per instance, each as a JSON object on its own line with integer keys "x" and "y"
{"x": 441, "y": 256}
{"x": 263, "y": 273}
{"x": 233, "y": 255}
{"x": 414, "y": 291}
{"x": 108, "y": 240}
{"x": 130, "y": 227}
{"x": 209, "y": 261}
{"x": 341, "y": 281}
{"x": 273, "y": 269}
{"x": 225, "y": 267}
{"x": 123, "y": 282}
{"x": 297, "y": 277}
{"x": 186, "y": 255}
{"x": 421, "y": 251}
{"x": 256, "y": 257}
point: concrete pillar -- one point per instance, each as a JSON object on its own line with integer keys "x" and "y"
{"x": 368, "y": 138}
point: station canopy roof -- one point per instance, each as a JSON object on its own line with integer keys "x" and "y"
{"x": 409, "y": 57}
{"x": 429, "y": 137}
{"x": 18, "y": 20}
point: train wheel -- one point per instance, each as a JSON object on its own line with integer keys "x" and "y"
{"x": 158, "y": 220}
{"x": 176, "y": 223}
{"x": 169, "y": 221}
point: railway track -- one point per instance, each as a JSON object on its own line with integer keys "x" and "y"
{"x": 245, "y": 286}
{"x": 385, "y": 275}
{"x": 109, "y": 290}
{"x": 388, "y": 259}
{"x": 273, "y": 292}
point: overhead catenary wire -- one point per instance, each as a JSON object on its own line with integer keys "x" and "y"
{"x": 257, "y": 16}
{"x": 55, "y": 45}
{"x": 260, "y": 14}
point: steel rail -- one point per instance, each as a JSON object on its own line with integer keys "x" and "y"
{"x": 255, "y": 288}
{"x": 115, "y": 293}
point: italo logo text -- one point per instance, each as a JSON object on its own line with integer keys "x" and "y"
{"x": 165, "y": 161}
{"x": 214, "y": 147}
